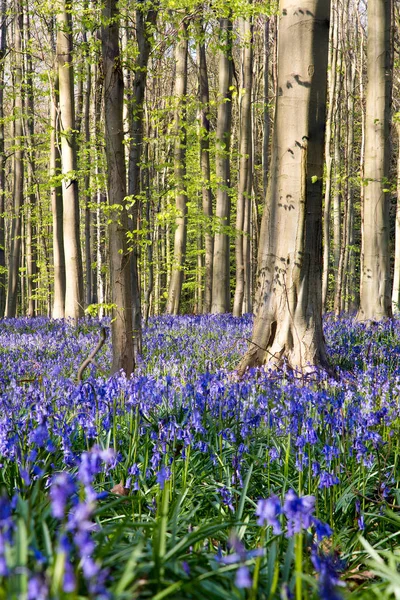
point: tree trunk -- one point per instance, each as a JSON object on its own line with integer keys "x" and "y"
{"x": 221, "y": 263}
{"x": 145, "y": 21}
{"x": 204, "y": 97}
{"x": 244, "y": 191}
{"x": 150, "y": 237}
{"x": 266, "y": 120}
{"x": 375, "y": 300}
{"x": 288, "y": 323}
{"x": 89, "y": 295}
{"x": 396, "y": 275}
{"x": 3, "y": 49}
{"x": 18, "y": 169}
{"x": 120, "y": 273}
{"x": 31, "y": 234}
{"x": 176, "y": 281}
{"x": 333, "y": 77}
{"x": 348, "y": 272}
{"x": 72, "y": 247}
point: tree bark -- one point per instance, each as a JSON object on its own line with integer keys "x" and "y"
{"x": 3, "y": 50}
{"x": 176, "y": 281}
{"x": 333, "y": 77}
{"x": 58, "y": 306}
{"x": 204, "y": 97}
{"x": 375, "y": 296}
{"x": 120, "y": 273}
{"x": 245, "y": 170}
{"x": 18, "y": 169}
{"x": 396, "y": 274}
{"x": 72, "y": 247}
{"x": 31, "y": 230}
{"x": 288, "y": 323}
{"x": 221, "y": 263}
{"x": 266, "y": 120}
{"x": 145, "y": 20}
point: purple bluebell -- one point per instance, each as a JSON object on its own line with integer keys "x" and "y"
{"x": 327, "y": 480}
{"x": 298, "y": 512}
{"x": 322, "y": 530}
{"x": 328, "y": 568}
{"x": 243, "y": 578}
{"x": 268, "y": 511}
{"x": 61, "y": 489}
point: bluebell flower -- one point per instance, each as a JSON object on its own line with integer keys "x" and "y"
{"x": 268, "y": 512}
{"x": 298, "y": 511}
{"x": 61, "y": 489}
{"x": 243, "y": 578}
{"x": 321, "y": 529}
{"x": 185, "y": 567}
{"x": 327, "y": 480}
{"x": 227, "y": 497}
{"x": 37, "y": 588}
{"x": 328, "y": 568}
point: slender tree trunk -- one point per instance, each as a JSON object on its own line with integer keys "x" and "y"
{"x": 337, "y": 195}
{"x": 120, "y": 273}
{"x": 266, "y": 122}
{"x": 333, "y": 77}
{"x": 176, "y": 281}
{"x": 88, "y": 211}
{"x": 145, "y": 21}
{"x": 149, "y": 237}
{"x": 204, "y": 96}
{"x": 396, "y": 275}
{"x": 245, "y": 170}
{"x": 31, "y": 234}
{"x": 348, "y": 266}
{"x": 72, "y": 247}
{"x": 3, "y": 49}
{"x": 99, "y": 199}
{"x": 375, "y": 297}
{"x": 288, "y": 324}
{"x": 58, "y": 311}
{"x": 221, "y": 262}
{"x": 18, "y": 169}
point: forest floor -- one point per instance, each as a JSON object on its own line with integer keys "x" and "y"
{"x": 185, "y": 482}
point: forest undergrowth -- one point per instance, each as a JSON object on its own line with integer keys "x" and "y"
{"x": 186, "y": 482}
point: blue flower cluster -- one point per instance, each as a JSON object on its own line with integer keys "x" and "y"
{"x": 184, "y": 417}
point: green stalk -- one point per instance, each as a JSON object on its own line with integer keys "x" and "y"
{"x": 299, "y": 565}
{"x": 254, "y": 587}
{"x": 161, "y": 534}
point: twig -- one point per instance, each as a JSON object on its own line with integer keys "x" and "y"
{"x": 89, "y": 359}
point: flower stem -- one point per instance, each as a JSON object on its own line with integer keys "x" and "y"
{"x": 299, "y": 565}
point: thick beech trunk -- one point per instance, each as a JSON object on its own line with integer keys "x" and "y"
{"x": 72, "y": 247}
{"x": 375, "y": 293}
{"x": 120, "y": 272}
{"x": 288, "y": 323}
{"x": 221, "y": 262}
{"x": 176, "y": 281}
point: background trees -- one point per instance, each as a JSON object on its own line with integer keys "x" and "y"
{"x": 218, "y": 163}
